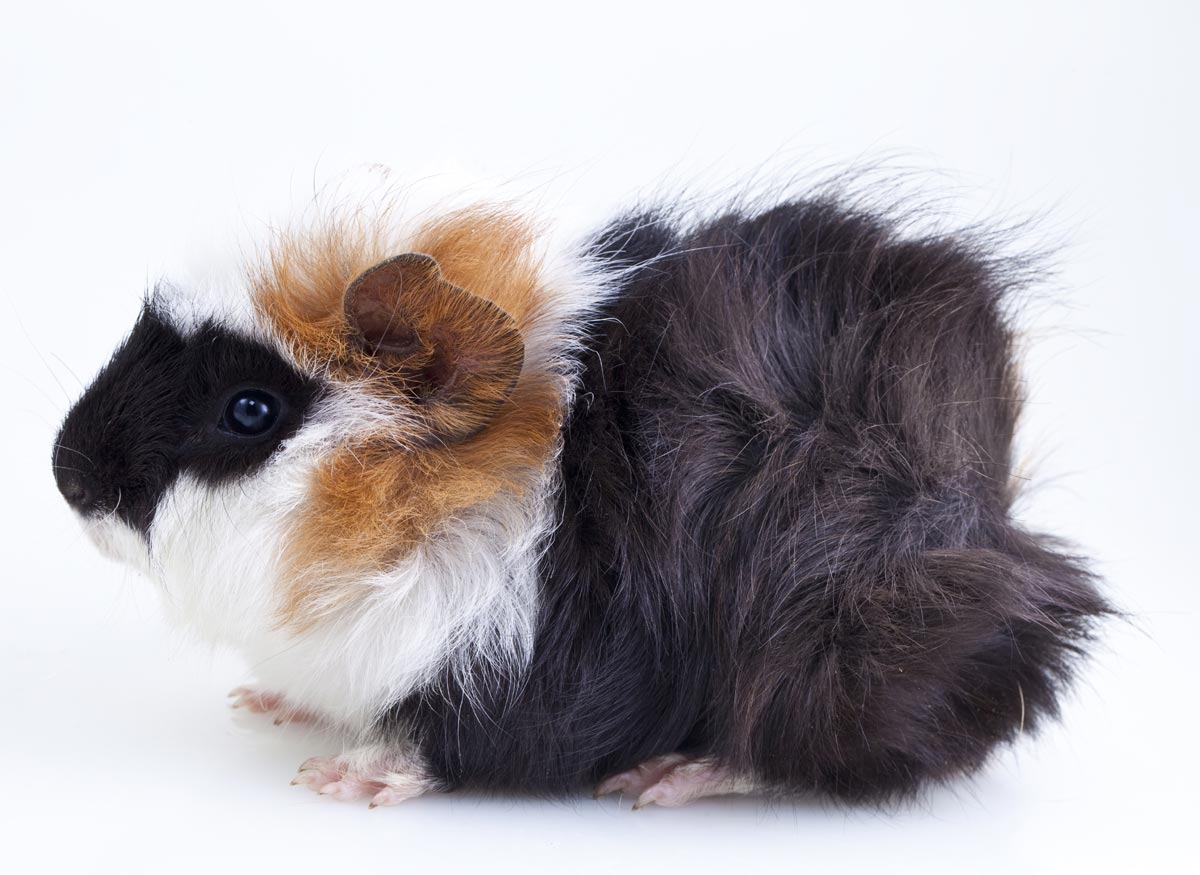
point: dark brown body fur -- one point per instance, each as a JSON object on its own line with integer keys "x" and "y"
{"x": 786, "y": 534}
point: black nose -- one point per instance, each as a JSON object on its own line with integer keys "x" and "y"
{"x": 75, "y": 489}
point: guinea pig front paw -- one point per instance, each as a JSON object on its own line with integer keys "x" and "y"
{"x": 264, "y": 702}
{"x": 388, "y": 777}
{"x": 673, "y": 780}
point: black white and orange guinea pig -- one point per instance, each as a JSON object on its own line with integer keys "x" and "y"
{"x": 702, "y": 505}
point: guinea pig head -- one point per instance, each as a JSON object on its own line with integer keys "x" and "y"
{"x": 362, "y": 433}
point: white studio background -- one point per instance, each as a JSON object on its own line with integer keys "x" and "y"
{"x": 135, "y": 138}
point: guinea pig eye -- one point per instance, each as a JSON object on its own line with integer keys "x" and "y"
{"x": 251, "y": 412}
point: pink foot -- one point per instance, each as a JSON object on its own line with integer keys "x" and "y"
{"x": 673, "y": 780}
{"x": 263, "y": 702}
{"x": 388, "y": 777}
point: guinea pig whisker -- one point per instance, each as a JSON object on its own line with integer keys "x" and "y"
{"x": 74, "y": 375}
{"x": 59, "y": 445}
{"x": 108, "y": 516}
{"x": 50, "y": 425}
{"x": 41, "y": 389}
{"x": 58, "y": 467}
{"x": 42, "y": 358}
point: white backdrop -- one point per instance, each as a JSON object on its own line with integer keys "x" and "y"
{"x": 134, "y": 136}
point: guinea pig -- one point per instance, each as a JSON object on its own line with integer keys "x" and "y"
{"x": 698, "y": 506}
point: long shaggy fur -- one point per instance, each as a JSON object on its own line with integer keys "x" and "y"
{"x": 785, "y": 535}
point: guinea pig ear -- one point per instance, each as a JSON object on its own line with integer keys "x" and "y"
{"x": 457, "y": 354}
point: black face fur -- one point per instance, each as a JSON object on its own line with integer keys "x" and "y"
{"x": 786, "y": 539}
{"x": 159, "y": 408}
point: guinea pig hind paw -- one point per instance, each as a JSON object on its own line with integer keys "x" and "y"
{"x": 348, "y": 777}
{"x": 675, "y": 780}
{"x": 635, "y": 781}
{"x": 398, "y": 789}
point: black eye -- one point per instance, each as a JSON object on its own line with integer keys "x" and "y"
{"x": 251, "y": 412}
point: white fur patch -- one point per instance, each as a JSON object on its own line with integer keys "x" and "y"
{"x": 469, "y": 593}
{"x": 118, "y": 541}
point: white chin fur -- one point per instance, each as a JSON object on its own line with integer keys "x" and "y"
{"x": 118, "y": 541}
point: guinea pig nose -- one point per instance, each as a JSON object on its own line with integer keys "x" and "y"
{"x": 74, "y": 489}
